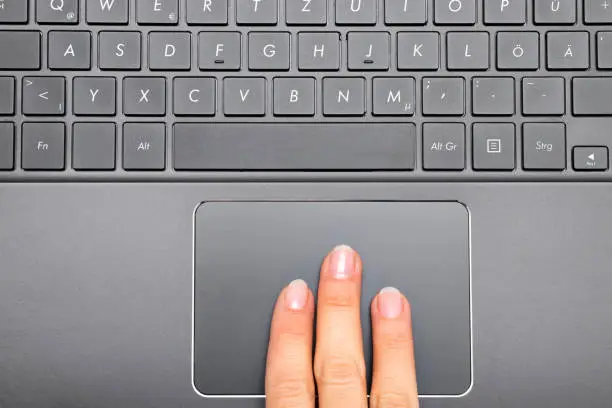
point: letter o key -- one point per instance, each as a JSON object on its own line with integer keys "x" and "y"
{"x": 455, "y": 6}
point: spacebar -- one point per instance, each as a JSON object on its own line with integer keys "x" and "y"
{"x": 294, "y": 146}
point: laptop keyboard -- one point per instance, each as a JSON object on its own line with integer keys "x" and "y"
{"x": 210, "y": 89}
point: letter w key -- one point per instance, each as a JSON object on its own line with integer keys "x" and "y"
{"x": 107, "y": 11}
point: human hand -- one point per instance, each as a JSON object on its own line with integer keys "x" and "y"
{"x": 339, "y": 367}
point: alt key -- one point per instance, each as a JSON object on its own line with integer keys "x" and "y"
{"x": 590, "y": 158}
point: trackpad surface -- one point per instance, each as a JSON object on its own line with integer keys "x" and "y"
{"x": 246, "y": 252}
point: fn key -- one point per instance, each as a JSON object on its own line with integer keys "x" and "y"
{"x": 42, "y": 146}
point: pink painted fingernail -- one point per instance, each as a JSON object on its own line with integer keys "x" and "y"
{"x": 296, "y": 295}
{"x": 390, "y": 302}
{"x": 342, "y": 262}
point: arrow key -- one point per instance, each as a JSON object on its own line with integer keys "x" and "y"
{"x": 590, "y": 158}
{"x": 44, "y": 96}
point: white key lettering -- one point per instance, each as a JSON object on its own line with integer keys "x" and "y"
{"x": 169, "y": 51}
{"x": 144, "y": 96}
{"x": 344, "y": 96}
{"x": 106, "y": 5}
{"x": 69, "y": 51}
{"x": 244, "y": 95}
{"x": 192, "y": 95}
{"x": 94, "y": 94}
{"x": 269, "y": 50}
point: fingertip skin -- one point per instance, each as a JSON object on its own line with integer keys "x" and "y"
{"x": 289, "y": 378}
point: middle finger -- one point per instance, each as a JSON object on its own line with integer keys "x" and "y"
{"x": 339, "y": 365}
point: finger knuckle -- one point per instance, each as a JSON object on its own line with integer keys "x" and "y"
{"x": 292, "y": 393}
{"x": 396, "y": 340}
{"x": 393, "y": 400}
{"x": 339, "y": 299}
{"x": 338, "y": 371}
{"x": 339, "y": 294}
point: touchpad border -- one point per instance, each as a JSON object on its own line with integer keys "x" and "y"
{"x": 244, "y": 252}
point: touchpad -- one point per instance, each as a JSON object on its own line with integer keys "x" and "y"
{"x": 246, "y": 252}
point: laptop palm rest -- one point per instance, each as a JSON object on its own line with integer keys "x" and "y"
{"x": 245, "y": 252}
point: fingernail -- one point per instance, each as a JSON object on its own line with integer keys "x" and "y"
{"x": 342, "y": 262}
{"x": 296, "y": 295}
{"x": 390, "y": 302}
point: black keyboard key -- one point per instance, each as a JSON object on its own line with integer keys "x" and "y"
{"x": 294, "y": 146}
{"x": 119, "y": 50}
{"x": 443, "y": 96}
{"x": 344, "y": 96}
{"x": 505, "y": 12}
{"x": 554, "y": 12}
{"x": 219, "y": 51}
{"x": 319, "y": 51}
{"x": 393, "y": 96}
{"x": 452, "y": 12}
{"x": 43, "y": 146}
{"x": 604, "y": 49}
{"x": 269, "y": 51}
{"x": 257, "y": 12}
{"x": 443, "y": 146}
{"x": 590, "y": 158}
{"x": 306, "y": 12}
{"x": 107, "y": 11}
{"x": 493, "y": 146}
{"x": 169, "y": 51}
{"x": 157, "y": 12}
{"x": 518, "y": 50}
{"x": 207, "y": 12}
{"x": 356, "y": 12}
{"x": 145, "y": 96}
{"x": 418, "y": 51}
{"x": 144, "y": 146}
{"x": 598, "y": 12}
{"x": 544, "y": 146}
{"x": 93, "y": 146}
{"x": 44, "y": 96}
{"x": 194, "y": 96}
{"x": 57, "y": 11}
{"x": 467, "y": 51}
{"x": 13, "y": 11}
{"x": 405, "y": 12}
{"x": 592, "y": 96}
{"x": 7, "y": 96}
{"x": 20, "y": 50}
{"x": 543, "y": 96}
{"x": 368, "y": 51}
{"x": 294, "y": 96}
{"x": 69, "y": 50}
{"x": 492, "y": 96}
{"x": 567, "y": 50}
{"x": 244, "y": 96}
{"x": 7, "y": 146}
{"x": 94, "y": 96}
